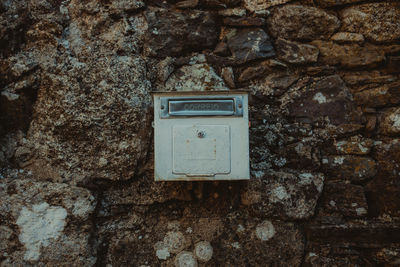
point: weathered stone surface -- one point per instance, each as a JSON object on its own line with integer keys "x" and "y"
{"x": 260, "y": 70}
{"x": 175, "y": 33}
{"x": 295, "y": 22}
{"x": 340, "y": 199}
{"x": 254, "y": 6}
{"x": 101, "y": 119}
{"x": 348, "y": 37}
{"x": 244, "y": 22}
{"x": 355, "y": 145}
{"x": 328, "y": 97}
{"x": 366, "y": 77}
{"x": 14, "y": 20}
{"x": 197, "y": 77}
{"x": 351, "y": 168}
{"x": 390, "y": 122}
{"x": 233, "y": 12}
{"x": 282, "y": 194}
{"x": 329, "y": 3}
{"x": 381, "y": 96}
{"x": 296, "y": 53}
{"x": 45, "y": 222}
{"x": 383, "y": 191}
{"x": 250, "y": 44}
{"x": 228, "y": 76}
{"x": 378, "y": 22}
{"x": 352, "y": 243}
{"x": 266, "y": 239}
{"x": 273, "y": 84}
{"x": 349, "y": 56}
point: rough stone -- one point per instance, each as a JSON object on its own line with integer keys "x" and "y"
{"x": 330, "y": 3}
{"x": 378, "y": 22}
{"x": 244, "y": 22}
{"x": 328, "y": 97}
{"x": 273, "y": 84}
{"x": 349, "y": 56}
{"x": 203, "y": 251}
{"x": 254, "y": 6}
{"x": 296, "y": 53}
{"x": 185, "y": 259}
{"x": 261, "y": 69}
{"x": 175, "y": 33}
{"x": 51, "y": 225}
{"x": 233, "y": 12}
{"x": 243, "y": 239}
{"x": 390, "y": 122}
{"x": 284, "y": 194}
{"x": 101, "y": 120}
{"x": 383, "y": 191}
{"x": 197, "y": 77}
{"x": 367, "y": 77}
{"x": 385, "y": 95}
{"x": 355, "y": 145}
{"x": 296, "y": 22}
{"x": 250, "y": 44}
{"x": 351, "y": 168}
{"x": 228, "y": 76}
{"x": 348, "y": 37}
{"x": 340, "y": 199}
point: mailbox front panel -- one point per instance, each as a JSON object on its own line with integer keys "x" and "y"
{"x": 200, "y": 136}
{"x": 201, "y": 150}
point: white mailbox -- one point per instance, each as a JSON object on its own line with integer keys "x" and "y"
{"x": 201, "y": 136}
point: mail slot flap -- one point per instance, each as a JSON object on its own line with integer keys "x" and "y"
{"x": 207, "y": 106}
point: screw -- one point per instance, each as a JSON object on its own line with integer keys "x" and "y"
{"x": 240, "y": 105}
{"x": 201, "y": 134}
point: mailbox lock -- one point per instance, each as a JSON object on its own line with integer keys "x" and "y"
{"x": 201, "y": 134}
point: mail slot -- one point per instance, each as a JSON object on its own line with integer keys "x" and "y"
{"x": 201, "y": 136}
{"x": 204, "y": 106}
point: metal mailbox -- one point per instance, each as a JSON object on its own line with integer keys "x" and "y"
{"x": 201, "y": 136}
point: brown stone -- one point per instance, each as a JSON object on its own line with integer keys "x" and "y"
{"x": 244, "y": 21}
{"x": 355, "y": 145}
{"x": 381, "y": 96}
{"x": 296, "y": 53}
{"x": 340, "y": 199}
{"x": 393, "y": 64}
{"x": 273, "y": 84}
{"x": 350, "y": 168}
{"x": 349, "y": 56}
{"x": 254, "y": 6}
{"x": 365, "y": 77}
{"x": 329, "y": 3}
{"x": 383, "y": 192}
{"x": 378, "y": 22}
{"x": 328, "y": 97}
{"x": 172, "y": 33}
{"x": 259, "y": 70}
{"x": 228, "y": 76}
{"x": 233, "y": 12}
{"x": 390, "y": 122}
{"x": 295, "y": 22}
{"x": 284, "y": 195}
{"x": 348, "y": 37}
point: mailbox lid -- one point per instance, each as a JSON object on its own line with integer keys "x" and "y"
{"x": 201, "y": 150}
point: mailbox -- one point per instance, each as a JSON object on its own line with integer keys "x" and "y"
{"x": 201, "y": 136}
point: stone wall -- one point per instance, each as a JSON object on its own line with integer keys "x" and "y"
{"x": 76, "y": 150}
